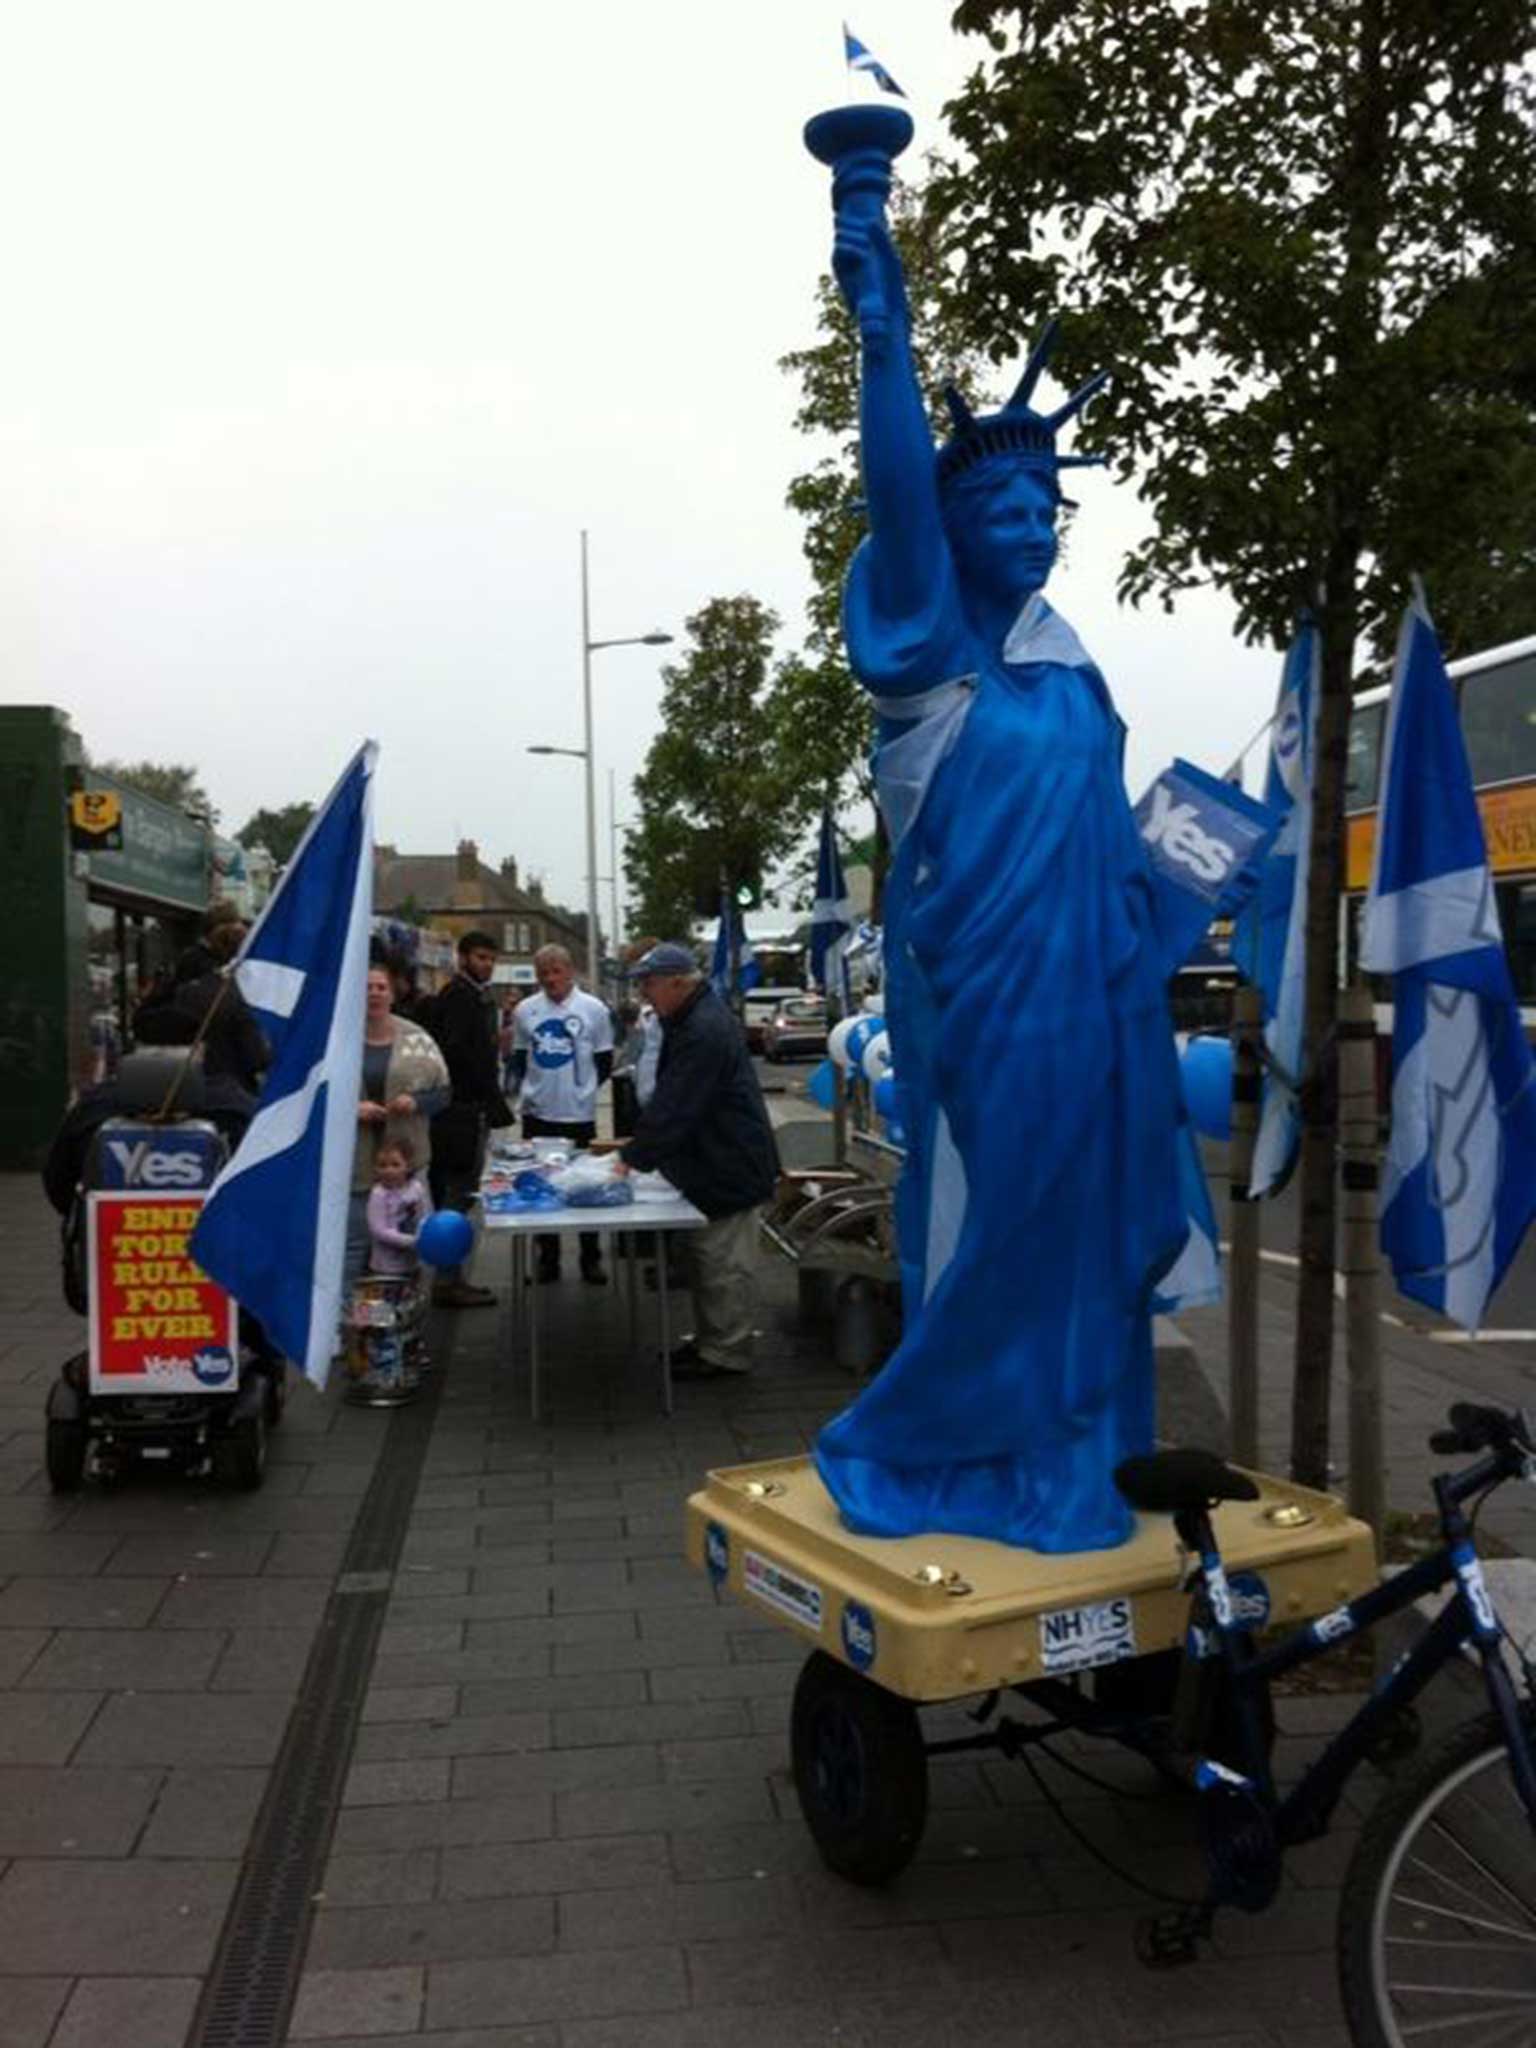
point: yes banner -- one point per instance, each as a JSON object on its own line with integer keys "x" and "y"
{"x": 1205, "y": 841}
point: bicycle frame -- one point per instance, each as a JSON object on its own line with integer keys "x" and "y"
{"x": 1468, "y": 1617}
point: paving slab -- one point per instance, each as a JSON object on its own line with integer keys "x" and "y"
{"x": 128, "y": 1660}
{"x": 126, "y": 2012}
{"x": 135, "y": 1916}
{"x": 74, "y": 1812}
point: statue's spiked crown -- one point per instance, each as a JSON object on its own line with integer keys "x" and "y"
{"x": 1017, "y": 432}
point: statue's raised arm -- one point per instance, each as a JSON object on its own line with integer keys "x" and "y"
{"x": 906, "y": 548}
{"x": 901, "y": 593}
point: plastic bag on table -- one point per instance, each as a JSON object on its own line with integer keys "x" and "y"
{"x": 593, "y": 1182}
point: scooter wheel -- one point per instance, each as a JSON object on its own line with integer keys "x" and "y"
{"x": 276, "y": 1395}
{"x": 240, "y": 1454}
{"x": 65, "y": 1454}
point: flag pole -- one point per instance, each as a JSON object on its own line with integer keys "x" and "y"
{"x": 1243, "y": 1213}
{"x": 1358, "y": 1135}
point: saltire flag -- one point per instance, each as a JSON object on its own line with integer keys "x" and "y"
{"x": 1460, "y": 1182}
{"x": 862, "y": 59}
{"x": 1270, "y": 943}
{"x": 273, "y": 1229}
{"x": 748, "y": 972}
{"x": 831, "y": 919}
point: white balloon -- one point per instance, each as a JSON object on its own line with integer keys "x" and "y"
{"x": 877, "y": 1058}
{"x": 837, "y": 1040}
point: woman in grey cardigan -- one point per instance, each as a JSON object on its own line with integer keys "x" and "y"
{"x": 404, "y": 1085}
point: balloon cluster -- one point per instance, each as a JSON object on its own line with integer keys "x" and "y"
{"x": 862, "y": 1045}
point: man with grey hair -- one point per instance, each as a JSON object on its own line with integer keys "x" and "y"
{"x": 706, "y": 1128}
{"x": 562, "y": 1052}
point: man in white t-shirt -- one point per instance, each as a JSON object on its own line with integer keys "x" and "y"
{"x": 562, "y": 1041}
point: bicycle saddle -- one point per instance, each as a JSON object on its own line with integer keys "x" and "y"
{"x": 1165, "y": 1482}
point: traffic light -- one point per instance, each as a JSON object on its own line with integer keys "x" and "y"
{"x": 748, "y": 895}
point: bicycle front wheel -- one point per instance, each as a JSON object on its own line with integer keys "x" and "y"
{"x": 1437, "y": 1918}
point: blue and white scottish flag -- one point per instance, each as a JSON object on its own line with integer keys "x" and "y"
{"x": 1270, "y": 944}
{"x": 862, "y": 59}
{"x": 831, "y": 919}
{"x": 273, "y": 1230}
{"x": 748, "y": 971}
{"x": 1460, "y": 1184}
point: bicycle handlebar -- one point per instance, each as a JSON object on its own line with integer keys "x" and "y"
{"x": 1474, "y": 1428}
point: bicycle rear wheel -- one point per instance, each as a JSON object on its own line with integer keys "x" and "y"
{"x": 1437, "y": 1918}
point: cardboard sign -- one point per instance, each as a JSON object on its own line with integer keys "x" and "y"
{"x": 159, "y": 1325}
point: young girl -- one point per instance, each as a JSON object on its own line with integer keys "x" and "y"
{"x": 397, "y": 1208}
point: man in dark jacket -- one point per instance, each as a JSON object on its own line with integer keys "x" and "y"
{"x": 464, "y": 1023}
{"x": 706, "y": 1128}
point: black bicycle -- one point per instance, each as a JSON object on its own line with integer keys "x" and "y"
{"x": 1437, "y": 1916}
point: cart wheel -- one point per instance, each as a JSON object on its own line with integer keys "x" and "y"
{"x": 860, "y": 1769}
{"x": 240, "y": 1454}
{"x": 65, "y": 1455}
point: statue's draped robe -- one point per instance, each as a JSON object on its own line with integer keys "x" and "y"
{"x": 1038, "y": 1085}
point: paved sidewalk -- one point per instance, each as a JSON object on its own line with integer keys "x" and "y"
{"x": 568, "y": 1822}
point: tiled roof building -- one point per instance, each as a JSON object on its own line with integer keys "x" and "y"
{"x": 457, "y": 892}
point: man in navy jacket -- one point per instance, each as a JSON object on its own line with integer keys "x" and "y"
{"x": 706, "y": 1128}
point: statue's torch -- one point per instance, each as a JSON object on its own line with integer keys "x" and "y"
{"x": 860, "y": 143}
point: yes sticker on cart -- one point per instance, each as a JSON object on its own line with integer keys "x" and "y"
{"x": 1078, "y": 1638}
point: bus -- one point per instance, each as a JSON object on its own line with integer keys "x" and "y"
{"x": 1496, "y": 697}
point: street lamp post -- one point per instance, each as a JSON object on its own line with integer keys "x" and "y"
{"x": 586, "y": 753}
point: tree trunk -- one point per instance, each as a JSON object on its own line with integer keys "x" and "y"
{"x": 1357, "y": 433}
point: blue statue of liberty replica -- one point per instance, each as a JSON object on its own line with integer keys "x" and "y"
{"x": 1025, "y": 984}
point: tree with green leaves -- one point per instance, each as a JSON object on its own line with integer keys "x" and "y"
{"x": 825, "y": 717}
{"x": 719, "y": 796}
{"x": 1304, "y": 238}
{"x": 278, "y": 831}
{"x": 168, "y": 782}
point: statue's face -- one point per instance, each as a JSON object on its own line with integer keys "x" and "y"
{"x": 1001, "y": 522}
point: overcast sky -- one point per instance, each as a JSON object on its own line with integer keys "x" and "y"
{"x": 329, "y": 326}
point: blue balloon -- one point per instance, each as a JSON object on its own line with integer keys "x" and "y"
{"x": 862, "y": 1032}
{"x": 885, "y": 1095}
{"x": 1206, "y": 1069}
{"x": 445, "y": 1239}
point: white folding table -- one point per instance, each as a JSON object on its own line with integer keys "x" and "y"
{"x": 661, "y": 1214}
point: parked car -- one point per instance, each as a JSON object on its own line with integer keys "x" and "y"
{"x": 797, "y": 1027}
{"x": 758, "y": 1005}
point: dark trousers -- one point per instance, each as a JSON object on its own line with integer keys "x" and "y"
{"x": 549, "y": 1242}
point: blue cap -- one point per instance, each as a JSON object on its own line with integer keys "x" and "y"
{"x": 667, "y": 958}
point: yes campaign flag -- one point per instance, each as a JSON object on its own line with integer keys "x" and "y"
{"x": 1460, "y": 1183}
{"x": 1271, "y": 942}
{"x": 273, "y": 1229}
{"x": 1204, "y": 840}
{"x": 831, "y": 919}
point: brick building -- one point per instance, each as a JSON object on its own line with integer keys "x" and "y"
{"x": 457, "y": 892}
